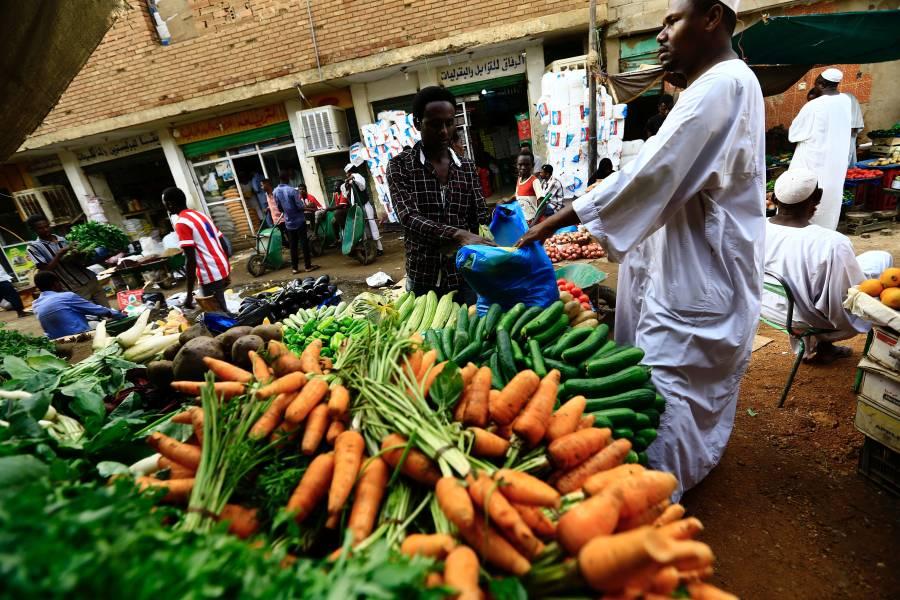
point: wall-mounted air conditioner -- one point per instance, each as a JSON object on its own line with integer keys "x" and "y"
{"x": 325, "y": 130}
{"x": 53, "y": 201}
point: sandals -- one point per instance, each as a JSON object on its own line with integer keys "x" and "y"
{"x": 312, "y": 268}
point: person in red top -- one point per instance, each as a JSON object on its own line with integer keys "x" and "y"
{"x": 204, "y": 249}
{"x": 525, "y": 193}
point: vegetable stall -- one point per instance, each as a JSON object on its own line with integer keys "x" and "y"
{"x": 403, "y": 447}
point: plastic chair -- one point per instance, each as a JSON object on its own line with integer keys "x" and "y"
{"x": 797, "y": 331}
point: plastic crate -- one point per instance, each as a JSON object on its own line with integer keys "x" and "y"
{"x": 880, "y": 465}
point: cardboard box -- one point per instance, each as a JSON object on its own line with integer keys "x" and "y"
{"x": 877, "y": 424}
{"x": 884, "y": 348}
{"x": 880, "y": 386}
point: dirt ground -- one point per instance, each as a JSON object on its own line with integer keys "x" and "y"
{"x": 785, "y": 511}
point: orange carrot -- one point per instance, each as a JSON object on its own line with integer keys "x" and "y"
{"x": 260, "y": 369}
{"x": 494, "y": 548}
{"x": 276, "y": 349}
{"x": 600, "y": 481}
{"x": 197, "y": 424}
{"x": 696, "y": 574}
{"x": 325, "y": 364}
{"x": 487, "y": 497}
{"x": 273, "y": 415}
{"x": 433, "y": 580}
{"x": 504, "y": 431}
{"x": 684, "y": 554}
{"x": 335, "y": 429}
{"x": 316, "y": 424}
{"x": 413, "y": 363}
{"x": 284, "y": 432}
{"x": 455, "y": 501}
{"x": 435, "y": 545}
{"x": 539, "y": 522}
{"x": 477, "y": 409}
{"x": 312, "y": 487}
{"x": 309, "y": 358}
{"x": 176, "y": 470}
{"x": 611, "y": 456}
{"x": 283, "y": 385}
{"x": 665, "y": 581}
{"x": 461, "y": 573}
{"x": 339, "y": 402}
{"x": 177, "y": 490}
{"x": 566, "y": 418}
{"x": 487, "y": 444}
{"x": 639, "y": 492}
{"x": 683, "y": 529}
{"x": 225, "y": 371}
{"x": 184, "y": 417}
{"x": 574, "y": 448}
{"x": 468, "y": 373}
{"x": 526, "y": 489}
{"x": 367, "y": 501}
{"x": 459, "y": 411}
{"x": 428, "y": 360}
{"x": 417, "y": 466}
{"x": 242, "y": 521}
{"x": 287, "y": 363}
{"x": 431, "y": 376}
{"x": 596, "y": 516}
{"x": 493, "y": 397}
{"x": 607, "y": 562}
{"x": 185, "y": 454}
{"x": 586, "y": 422}
{"x": 416, "y": 339}
{"x": 226, "y": 389}
{"x": 705, "y": 591}
{"x": 348, "y": 452}
{"x": 311, "y": 394}
{"x": 514, "y": 396}
{"x": 647, "y": 517}
{"x": 670, "y": 515}
{"x": 531, "y": 424}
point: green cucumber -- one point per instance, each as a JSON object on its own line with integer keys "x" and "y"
{"x": 479, "y": 330}
{"x": 643, "y": 459}
{"x": 614, "y": 363}
{"x": 644, "y": 437}
{"x": 526, "y": 317}
{"x": 486, "y": 351}
{"x": 638, "y": 399}
{"x": 492, "y": 318}
{"x": 602, "y": 422}
{"x": 406, "y": 310}
{"x": 460, "y": 341}
{"x": 552, "y": 333}
{"x": 467, "y": 354}
{"x": 629, "y": 379}
{"x": 415, "y": 318}
{"x": 537, "y": 360}
{"x": 431, "y": 302}
{"x": 652, "y": 415}
{"x": 659, "y": 404}
{"x": 529, "y": 364}
{"x": 605, "y": 350}
{"x": 594, "y": 341}
{"x": 442, "y": 312}
{"x": 474, "y": 320}
{"x": 496, "y": 380}
{"x": 518, "y": 355}
{"x": 623, "y": 432}
{"x": 454, "y": 315}
{"x": 462, "y": 318}
{"x": 619, "y": 417}
{"x": 509, "y": 319}
{"x": 641, "y": 421}
{"x": 569, "y": 339}
{"x": 434, "y": 341}
{"x": 632, "y": 458}
{"x": 566, "y": 370}
{"x": 447, "y": 340}
{"x": 505, "y": 351}
{"x": 548, "y": 317}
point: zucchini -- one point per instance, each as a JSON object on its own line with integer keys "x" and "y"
{"x": 497, "y": 382}
{"x": 418, "y": 312}
{"x": 528, "y": 363}
{"x": 505, "y": 352}
{"x": 479, "y": 330}
{"x": 553, "y": 332}
{"x": 474, "y": 320}
{"x": 605, "y": 350}
{"x": 460, "y": 340}
{"x": 454, "y": 315}
{"x": 509, "y": 319}
{"x": 570, "y": 338}
{"x": 567, "y": 371}
{"x": 442, "y": 312}
{"x": 643, "y": 459}
{"x": 468, "y": 353}
{"x": 431, "y": 303}
{"x": 548, "y": 318}
{"x": 492, "y": 318}
{"x": 638, "y": 399}
{"x": 537, "y": 360}
{"x": 623, "y": 432}
{"x": 518, "y": 355}
{"x": 462, "y": 319}
{"x": 619, "y": 417}
{"x": 629, "y": 379}
{"x": 527, "y": 316}
{"x": 593, "y": 342}
{"x": 632, "y": 458}
{"x": 652, "y": 415}
{"x": 641, "y": 421}
{"x": 602, "y": 422}
{"x": 659, "y": 404}
{"x": 615, "y": 362}
{"x": 447, "y": 340}
{"x": 644, "y": 437}
{"x": 433, "y": 339}
{"x": 406, "y": 309}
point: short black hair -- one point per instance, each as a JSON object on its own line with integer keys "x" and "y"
{"x": 35, "y": 219}
{"x": 548, "y": 169}
{"x": 284, "y": 177}
{"x": 729, "y": 19}
{"x": 429, "y": 94}
{"x": 667, "y": 99}
{"x": 265, "y": 180}
{"x": 527, "y": 155}
{"x": 174, "y": 196}
{"x": 45, "y": 280}
{"x": 301, "y": 184}
{"x": 825, "y": 83}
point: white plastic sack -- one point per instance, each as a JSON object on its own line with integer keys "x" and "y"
{"x": 871, "y": 309}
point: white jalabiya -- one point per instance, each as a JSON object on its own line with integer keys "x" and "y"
{"x": 692, "y": 204}
{"x": 856, "y": 126}
{"x": 822, "y": 134}
{"x": 820, "y": 266}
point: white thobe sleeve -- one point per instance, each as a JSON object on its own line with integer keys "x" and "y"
{"x": 802, "y": 125}
{"x": 671, "y": 168}
{"x": 834, "y": 278}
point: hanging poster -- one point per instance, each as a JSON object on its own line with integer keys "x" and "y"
{"x": 17, "y": 257}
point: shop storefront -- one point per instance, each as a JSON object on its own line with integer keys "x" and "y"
{"x": 635, "y": 53}
{"x": 230, "y": 155}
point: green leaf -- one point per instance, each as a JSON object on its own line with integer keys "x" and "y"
{"x": 19, "y": 470}
{"x": 447, "y": 387}
{"x": 17, "y": 368}
{"x": 108, "y": 468}
{"x": 43, "y": 362}
{"x": 507, "y": 588}
{"x": 88, "y": 404}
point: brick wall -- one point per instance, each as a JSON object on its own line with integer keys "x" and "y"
{"x": 241, "y": 42}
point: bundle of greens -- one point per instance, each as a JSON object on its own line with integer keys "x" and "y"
{"x": 87, "y": 237}
{"x": 13, "y": 343}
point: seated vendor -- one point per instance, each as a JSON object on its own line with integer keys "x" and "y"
{"x": 819, "y": 264}
{"x": 63, "y": 313}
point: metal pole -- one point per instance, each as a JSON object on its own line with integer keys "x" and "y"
{"x": 592, "y": 89}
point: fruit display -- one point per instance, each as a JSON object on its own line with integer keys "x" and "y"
{"x": 886, "y": 287}
{"x": 573, "y": 246}
{"x": 855, "y": 174}
{"x": 887, "y": 161}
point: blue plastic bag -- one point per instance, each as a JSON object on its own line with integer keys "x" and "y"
{"x": 507, "y": 276}
{"x": 508, "y": 223}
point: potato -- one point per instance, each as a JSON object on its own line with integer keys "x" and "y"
{"x": 192, "y": 332}
{"x": 242, "y": 346}
{"x": 161, "y": 373}
{"x": 170, "y": 352}
{"x": 188, "y": 364}
{"x": 267, "y": 332}
{"x": 228, "y": 338}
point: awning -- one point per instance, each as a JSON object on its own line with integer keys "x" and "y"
{"x": 825, "y": 39}
{"x": 233, "y": 140}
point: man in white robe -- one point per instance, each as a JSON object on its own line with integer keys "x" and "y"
{"x": 693, "y": 203}
{"x": 856, "y": 126}
{"x": 818, "y": 264}
{"x": 822, "y": 133}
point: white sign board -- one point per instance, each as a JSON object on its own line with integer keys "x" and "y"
{"x": 124, "y": 147}
{"x": 482, "y": 70}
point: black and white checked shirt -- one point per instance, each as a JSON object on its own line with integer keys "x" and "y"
{"x": 72, "y": 275}
{"x": 431, "y": 213}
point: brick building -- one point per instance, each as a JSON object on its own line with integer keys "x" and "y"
{"x": 207, "y": 94}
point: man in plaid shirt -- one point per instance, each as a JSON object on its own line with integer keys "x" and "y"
{"x": 437, "y": 197}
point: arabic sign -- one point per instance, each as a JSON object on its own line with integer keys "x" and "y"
{"x": 481, "y": 70}
{"x": 234, "y": 123}
{"x": 125, "y": 147}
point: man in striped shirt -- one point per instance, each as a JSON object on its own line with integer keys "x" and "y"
{"x": 204, "y": 252}
{"x": 49, "y": 253}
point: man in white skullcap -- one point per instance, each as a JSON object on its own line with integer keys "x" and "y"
{"x": 822, "y": 134}
{"x": 687, "y": 218}
{"x": 818, "y": 264}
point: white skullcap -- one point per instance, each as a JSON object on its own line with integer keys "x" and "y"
{"x": 348, "y": 167}
{"x": 833, "y": 75}
{"x": 732, "y": 4}
{"x": 795, "y": 185}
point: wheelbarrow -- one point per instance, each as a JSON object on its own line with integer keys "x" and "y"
{"x": 358, "y": 241}
{"x": 268, "y": 250}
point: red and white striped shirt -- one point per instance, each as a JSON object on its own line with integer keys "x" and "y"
{"x": 195, "y": 230}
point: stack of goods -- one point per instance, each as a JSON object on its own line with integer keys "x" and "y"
{"x": 222, "y": 218}
{"x": 88, "y": 237}
{"x": 294, "y": 296}
{"x": 855, "y": 174}
{"x": 135, "y": 229}
{"x": 573, "y": 246}
{"x": 236, "y": 211}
